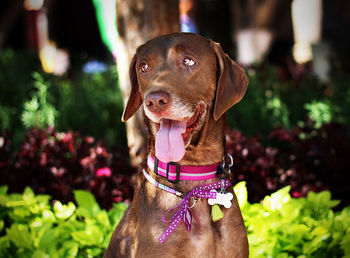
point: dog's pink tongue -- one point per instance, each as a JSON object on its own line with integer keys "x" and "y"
{"x": 169, "y": 143}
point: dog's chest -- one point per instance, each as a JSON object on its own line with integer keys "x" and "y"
{"x": 198, "y": 242}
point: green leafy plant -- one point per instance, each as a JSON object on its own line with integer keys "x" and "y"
{"x": 16, "y": 83}
{"x": 92, "y": 100}
{"x": 31, "y": 227}
{"x": 282, "y": 226}
{"x": 89, "y": 103}
{"x": 319, "y": 112}
{"x": 271, "y": 101}
{"x": 5, "y": 117}
{"x": 266, "y": 102}
{"x": 279, "y": 226}
{"x": 38, "y": 112}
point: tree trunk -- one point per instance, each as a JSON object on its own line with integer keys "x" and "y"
{"x": 137, "y": 22}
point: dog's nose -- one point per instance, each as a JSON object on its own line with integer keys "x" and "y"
{"x": 157, "y": 101}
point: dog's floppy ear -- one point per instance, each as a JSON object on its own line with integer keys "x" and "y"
{"x": 135, "y": 99}
{"x": 232, "y": 82}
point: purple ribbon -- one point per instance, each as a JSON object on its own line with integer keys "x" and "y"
{"x": 184, "y": 213}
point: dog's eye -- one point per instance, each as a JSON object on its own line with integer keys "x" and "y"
{"x": 188, "y": 61}
{"x": 144, "y": 68}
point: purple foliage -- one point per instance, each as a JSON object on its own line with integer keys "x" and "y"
{"x": 57, "y": 163}
{"x": 305, "y": 158}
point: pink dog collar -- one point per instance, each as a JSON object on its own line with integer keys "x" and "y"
{"x": 174, "y": 172}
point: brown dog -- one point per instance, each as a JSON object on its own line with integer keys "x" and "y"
{"x": 185, "y": 84}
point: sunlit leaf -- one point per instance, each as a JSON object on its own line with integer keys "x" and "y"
{"x": 92, "y": 235}
{"x": 241, "y": 193}
{"x": 102, "y": 217}
{"x": 69, "y": 249}
{"x": 63, "y": 211}
{"x": 87, "y": 200}
{"x": 116, "y": 214}
{"x": 28, "y": 194}
{"x": 40, "y": 254}
{"x": 47, "y": 239}
{"x": 345, "y": 244}
{"x": 3, "y": 189}
{"x": 275, "y": 201}
{"x": 94, "y": 252}
{"x": 20, "y": 236}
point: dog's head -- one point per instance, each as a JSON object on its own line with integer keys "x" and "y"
{"x": 181, "y": 80}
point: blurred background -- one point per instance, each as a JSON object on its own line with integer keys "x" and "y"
{"x": 64, "y": 81}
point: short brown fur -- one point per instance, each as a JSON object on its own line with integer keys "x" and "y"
{"x": 218, "y": 82}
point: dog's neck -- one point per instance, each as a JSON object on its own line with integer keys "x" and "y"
{"x": 205, "y": 148}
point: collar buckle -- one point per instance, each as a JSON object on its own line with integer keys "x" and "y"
{"x": 177, "y": 172}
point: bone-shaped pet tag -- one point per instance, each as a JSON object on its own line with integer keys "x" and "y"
{"x": 222, "y": 198}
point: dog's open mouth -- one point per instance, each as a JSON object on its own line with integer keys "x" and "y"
{"x": 193, "y": 122}
{"x": 173, "y": 136}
